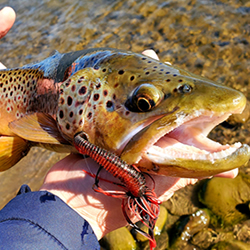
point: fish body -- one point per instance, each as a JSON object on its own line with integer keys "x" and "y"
{"x": 149, "y": 113}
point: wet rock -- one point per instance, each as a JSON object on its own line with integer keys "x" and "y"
{"x": 204, "y": 239}
{"x": 119, "y": 239}
{"x": 158, "y": 226}
{"x": 237, "y": 119}
{"x": 242, "y": 231}
{"x": 231, "y": 245}
{"x": 188, "y": 226}
{"x": 182, "y": 202}
{"x": 227, "y": 198}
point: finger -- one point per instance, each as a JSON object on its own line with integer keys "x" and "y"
{"x": 2, "y": 66}
{"x": 7, "y": 19}
{"x": 151, "y": 53}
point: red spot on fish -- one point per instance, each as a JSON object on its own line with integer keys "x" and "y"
{"x": 73, "y": 88}
{"x": 61, "y": 100}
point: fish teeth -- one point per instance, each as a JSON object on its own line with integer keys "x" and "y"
{"x": 171, "y": 153}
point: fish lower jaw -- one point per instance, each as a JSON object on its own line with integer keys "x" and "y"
{"x": 182, "y": 152}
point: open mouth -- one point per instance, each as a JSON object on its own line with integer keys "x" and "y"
{"x": 190, "y": 141}
{"x": 186, "y": 151}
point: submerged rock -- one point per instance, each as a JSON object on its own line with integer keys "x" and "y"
{"x": 231, "y": 245}
{"x": 188, "y": 226}
{"x": 158, "y": 226}
{"x": 119, "y": 239}
{"x": 227, "y": 198}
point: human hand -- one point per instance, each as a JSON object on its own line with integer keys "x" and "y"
{"x": 7, "y": 19}
{"x": 68, "y": 180}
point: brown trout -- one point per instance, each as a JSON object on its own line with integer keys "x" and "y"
{"x": 149, "y": 113}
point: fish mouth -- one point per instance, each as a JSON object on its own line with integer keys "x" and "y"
{"x": 186, "y": 151}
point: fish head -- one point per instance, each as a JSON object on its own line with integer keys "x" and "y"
{"x": 151, "y": 114}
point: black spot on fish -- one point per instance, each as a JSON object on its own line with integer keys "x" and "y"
{"x": 68, "y": 83}
{"x": 71, "y": 114}
{"x": 69, "y": 100}
{"x": 96, "y": 97}
{"x": 132, "y": 78}
{"x": 80, "y": 112}
{"x": 82, "y": 90}
{"x": 120, "y": 72}
{"x": 147, "y": 73}
{"x": 167, "y": 73}
{"x": 109, "y": 104}
{"x": 104, "y": 70}
{"x": 67, "y": 126}
{"x": 168, "y": 80}
{"x": 98, "y": 85}
{"x": 180, "y": 80}
{"x": 89, "y": 115}
{"x": 105, "y": 92}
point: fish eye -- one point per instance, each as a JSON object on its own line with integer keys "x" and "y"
{"x": 145, "y": 104}
{"x": 144, "y": 98}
